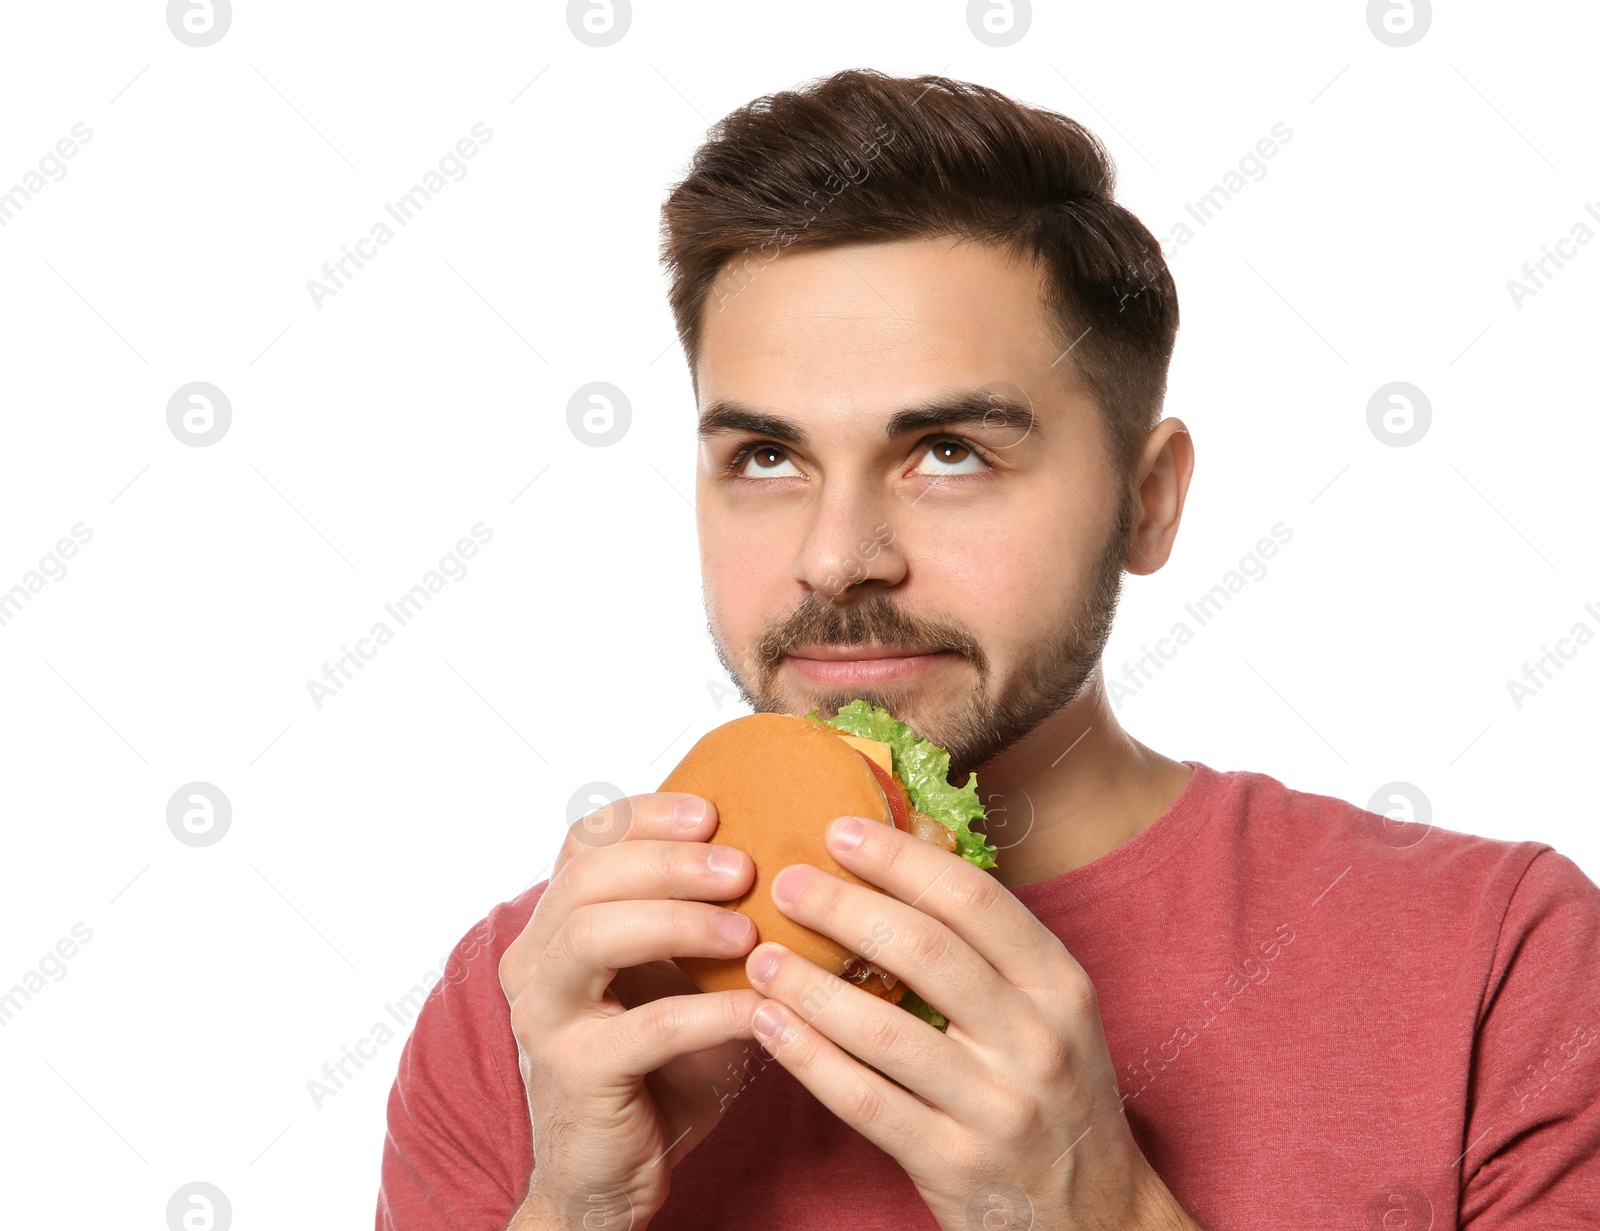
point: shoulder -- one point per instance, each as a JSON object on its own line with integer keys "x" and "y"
{"x": 458, "y": 1134}
{"x": 505, "y": 921}
{"x": 462, "y": 1036}
{"x": 1394, "y": 871}
{"x": 1392, "y": 879}
{"x": 1397, "y": 836}
{"x": 471, "y": 973}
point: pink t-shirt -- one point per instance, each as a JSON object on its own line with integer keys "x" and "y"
{"x": 1318, "y": 1018}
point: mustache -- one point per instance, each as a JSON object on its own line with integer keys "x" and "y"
{"x": 818, "y": 621}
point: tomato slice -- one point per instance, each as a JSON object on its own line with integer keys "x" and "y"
{"x": 899, "y": 805}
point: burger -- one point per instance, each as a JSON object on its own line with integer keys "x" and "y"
{"x": 777, "y": 781}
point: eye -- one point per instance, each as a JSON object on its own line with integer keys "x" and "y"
{"x": 950, "y": 457}
{"x": 763, "y": 462}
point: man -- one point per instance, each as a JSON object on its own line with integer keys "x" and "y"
{"x": 929, "y": 352}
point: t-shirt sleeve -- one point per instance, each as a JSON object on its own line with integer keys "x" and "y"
{"x": 1532, "y": 1143}
{"x": 458, "y": 1151}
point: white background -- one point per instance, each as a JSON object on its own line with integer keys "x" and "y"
{"x": 372, "y": 433}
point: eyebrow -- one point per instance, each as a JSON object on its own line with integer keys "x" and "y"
{"x": 986, "y": 408}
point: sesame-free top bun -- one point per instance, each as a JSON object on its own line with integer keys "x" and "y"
{"x": 776, "y": 781}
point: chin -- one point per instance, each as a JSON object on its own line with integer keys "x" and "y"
{"x": 918, "y": 705}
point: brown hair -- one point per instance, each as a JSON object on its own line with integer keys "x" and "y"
{"x": 863, "y": 156}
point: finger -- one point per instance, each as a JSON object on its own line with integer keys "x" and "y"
{"x": 668, "y": 815}
{"x": 630, "y": 872}
{"x": 940, "y": 967}
{"x": 651, "y": 869}
{"x": 636, "y": 869}
{"x": 641, "y": 1040}
{"x": 639, "y": 871}
{"x": 896, "y": 1043}
{"x": 889, "y": 1117}
{"x": 600, "y": 939}
{"x": 969, "y": 901}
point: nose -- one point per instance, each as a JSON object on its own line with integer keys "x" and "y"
{"x": 849, "y": 549}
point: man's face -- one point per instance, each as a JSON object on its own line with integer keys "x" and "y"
{"x": 959, "y": 566}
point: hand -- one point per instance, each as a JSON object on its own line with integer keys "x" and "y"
{"x": 620, "y": 1053}
{"x": 1013, "y": 1113}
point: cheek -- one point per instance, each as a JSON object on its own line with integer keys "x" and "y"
{"x": 1008, "y": 575}
{"x": 741, "y": 599}
{"x": 990, "y": 587}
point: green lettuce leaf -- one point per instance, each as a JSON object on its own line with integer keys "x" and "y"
{"x": 924, "y": 769}
{"x": 916, "y": 1005}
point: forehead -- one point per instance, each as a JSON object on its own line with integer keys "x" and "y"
{"x": 869, "y": 324}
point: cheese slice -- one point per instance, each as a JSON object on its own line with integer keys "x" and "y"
{"x": 874, "y": 749}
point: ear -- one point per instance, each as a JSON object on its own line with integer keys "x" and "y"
{"x": 1159, "y": 483}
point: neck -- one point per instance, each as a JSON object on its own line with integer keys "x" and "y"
{"x": 1087, "y": 785}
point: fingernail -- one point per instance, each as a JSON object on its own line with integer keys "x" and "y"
{"x": 786, "y": 886}
{"x": 733, "y": 926}
{"x": 724, "y": 861}
{"x": 762, "y": 964}
{"x": 768, "y": 1021}
{"x": 847, "y": 833}
{"x": 689, "y": 812}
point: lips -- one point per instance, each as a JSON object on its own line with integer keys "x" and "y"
{"x": 854, "y": 665}
{"x": 858, "y": 653}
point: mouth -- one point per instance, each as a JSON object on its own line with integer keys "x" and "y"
{"x": 845, "y": 665}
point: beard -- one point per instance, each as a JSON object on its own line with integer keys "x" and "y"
{"x": 988, "y": 718}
